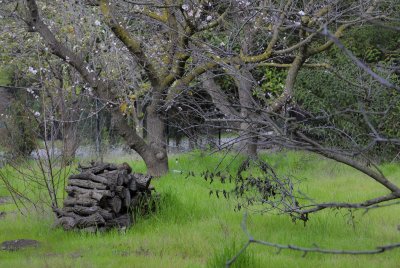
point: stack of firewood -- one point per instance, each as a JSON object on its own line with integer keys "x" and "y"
{"x": 103, "y": 196}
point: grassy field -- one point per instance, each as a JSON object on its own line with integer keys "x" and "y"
{"x": 192, "y": 229}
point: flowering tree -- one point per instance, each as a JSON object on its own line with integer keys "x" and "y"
{"x": 173, "y": 43}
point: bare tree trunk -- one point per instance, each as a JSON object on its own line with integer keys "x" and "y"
{"x": 248, "y": 133}
{"x": 71, "y": 142}
{"x": 99, "y": 152}
{"x": 218, "y": 97}
{"x": 245, "y": 82}
{"x": 157, "y": 163}
{"x": 68, "y": 129}
{"x": 154, "y": 156}
{"x": 139, "y": 118}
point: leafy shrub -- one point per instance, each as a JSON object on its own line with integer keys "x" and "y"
{"x": 22, "y": 130}
{"x": 340, "y": 103}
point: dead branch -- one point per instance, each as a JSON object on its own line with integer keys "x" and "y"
{"x": 304, "y": 250}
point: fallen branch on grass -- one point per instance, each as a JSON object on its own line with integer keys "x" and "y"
{"x": 305, "y": 250}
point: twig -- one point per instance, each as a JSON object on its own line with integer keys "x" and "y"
{"x": 305, "y": 250}
{"x": 359, "y": 63}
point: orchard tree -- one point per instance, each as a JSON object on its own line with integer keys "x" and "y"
{"x": 163, "y": 63}
{"x": 173, "y": 43}
{"x": 262, "y": 39}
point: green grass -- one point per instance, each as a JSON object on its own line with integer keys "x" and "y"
{"x": 192, "y": 229}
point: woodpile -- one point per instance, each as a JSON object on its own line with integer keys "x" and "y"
{"x": 104, "y": 196}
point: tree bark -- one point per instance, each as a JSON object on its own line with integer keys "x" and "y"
{"x": 156, "y": 157}
{"x": 153, "y": 154}
{"x": 218, "y": 97}
{"x": 248, "y": 132}
{"x": 71, "y": 142}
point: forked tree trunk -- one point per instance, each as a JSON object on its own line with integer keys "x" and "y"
{"x": 154, "y": 153}
{"x": 245, "y": 82}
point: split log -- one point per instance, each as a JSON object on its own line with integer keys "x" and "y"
{"x": 87, "y": 184}
{"x": 77, "y": 211}
{"x": 76, "y": 220}
{"x": 90, "y": 195}
{"x": 132, "y": 184}
{"x": 107, "y": 215}
{"x": 104, "y": 196}
{"x": 75, "y": 190}
{"x": 115, "y": 204}
{"x": 83, "y": 211}
{"x": 125, "y": 177}
{"x": 125, "y": 166}
{"x": 68, "y": 223}
{"x": 142, "y": 181}
{"x": 90, "y": 176}
{"x": 120, "y": 190}
{"x": 86, "y": 202}
{"x": 92, "y": 220}
{"x": 113, "y": 178}
{"x": 96, "y": 195}
{"x": 122, "y": 221}
{"x": 127, "y": 199}
{"x": 98, "y": 168}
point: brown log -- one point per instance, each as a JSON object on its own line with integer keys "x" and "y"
{"x": 87, "y": 184}
{"x": 86, "y": 202}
